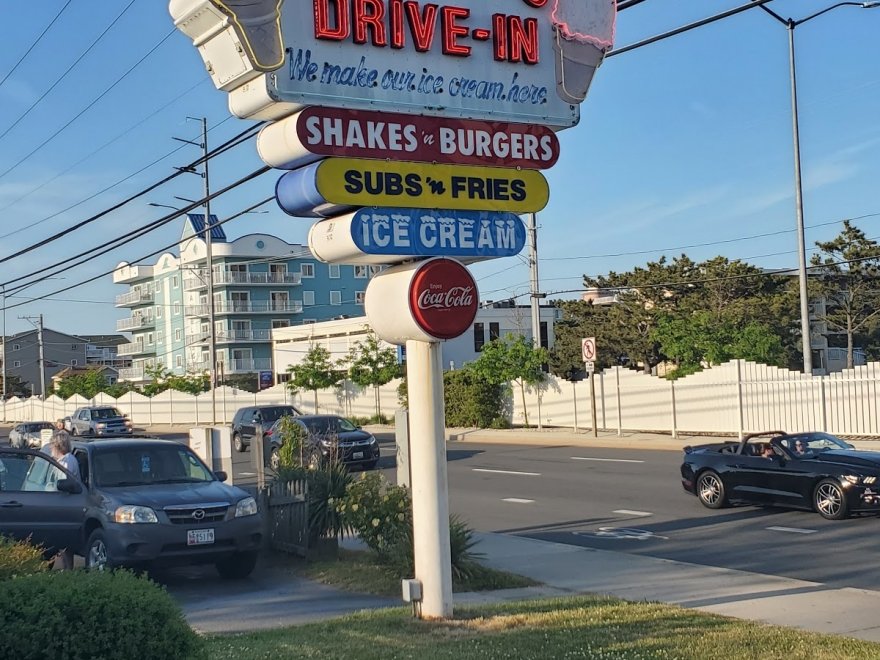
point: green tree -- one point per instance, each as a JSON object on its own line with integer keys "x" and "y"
{"x": 87, "y": 384}
{"x": 314, "y": 373}
{"x": 511, "y": 359}
{"x": 162, "y": 379}
{"x": 15, "y": 386}
{"x": 371, "y": 365}
{"x": 849, "y": 283}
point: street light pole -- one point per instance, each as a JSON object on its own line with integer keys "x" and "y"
{"x": 790, "y": 25}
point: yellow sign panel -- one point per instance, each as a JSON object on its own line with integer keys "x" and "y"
{"x": 363, "y": 182}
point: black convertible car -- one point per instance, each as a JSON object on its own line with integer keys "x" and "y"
{"x": 814, "y": 471}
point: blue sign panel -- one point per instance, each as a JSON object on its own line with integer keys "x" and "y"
{"x": 266, "y": 380}
{"x": 428, "y": 233}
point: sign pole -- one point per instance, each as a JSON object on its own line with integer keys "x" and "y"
{"x": 430, "y": 490}
{"x": 593, "y": 404}
{"x": 574, "y": 399}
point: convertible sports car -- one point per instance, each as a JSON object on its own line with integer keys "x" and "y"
{"x": 814, "y": 471}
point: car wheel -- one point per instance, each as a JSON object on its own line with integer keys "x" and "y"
{"x": 275, "y": 459}
{"x": 238, "y": 566}
{"x": 710, "y": 490}
{"x": 236, "y": 441}
{"x": 74, "y": 432}
{"x": 316, "y": 459}
{"x": 97, "y": 554}
{"x": 829, "y": 500}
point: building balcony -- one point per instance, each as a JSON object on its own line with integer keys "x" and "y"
{"x": 135, "y": 323}
{"x": 133, "y": 374}
{"x": 134, "y": 298}
{"x": 136, "y": 348}
{"x": 129, "y": 274}
{"x": 228, "y": 278}
{"x": 261, "y": 307}
{"x": 246, "y": 366}
{"x": 232, "y": 336}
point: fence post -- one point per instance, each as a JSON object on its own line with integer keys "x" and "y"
{"x": 739, "y": 397}
{"x": 602, "y": 395}
{"x": 674, "y": 420}
{"x": 823, "y": 405}
{"x": 619, "y": 413}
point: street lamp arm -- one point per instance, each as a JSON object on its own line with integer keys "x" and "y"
{"x": 863, "y": 5}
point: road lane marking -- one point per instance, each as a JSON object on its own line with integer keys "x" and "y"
{"x": 638, "y": 514}
{"x": 516, "y": 500}
{"x": 793, "y": 530}
{"x": 525, "y": 474}
{"x": 248, "y": 474}
{"x": 623, "y": 533}
{"x": 605, "y": 460}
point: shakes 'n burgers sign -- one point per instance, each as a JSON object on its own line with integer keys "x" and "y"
{"x": 528, "y": 61}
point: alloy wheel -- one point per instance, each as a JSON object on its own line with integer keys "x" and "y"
{"x": 829, "y": 499}
{"x": 710, "y": 489}
{"x": 97, "y": 558}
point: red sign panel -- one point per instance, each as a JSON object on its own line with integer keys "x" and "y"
{"x": 382, "y": 135}
{"x": 443, "y": 298}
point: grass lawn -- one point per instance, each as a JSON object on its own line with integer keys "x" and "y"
{"x": 361, "y": 572}
{"x": 580, "y": 627}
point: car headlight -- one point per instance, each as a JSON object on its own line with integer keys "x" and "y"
{"x": 100, "y": 426}
{"x": 127, "y": 423}
{"x": 852, "y": 478}
{"x": 373, "y": 440}
{"x": 130, "y": 514}
{"x": 247, "y": 507}
{"x": 869, "y": 480}
{"x": 326, "y": 442}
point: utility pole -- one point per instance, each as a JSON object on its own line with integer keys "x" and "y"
{"x": 40, "y": 358}
{"x": 3, "y": 331}
{"x": 534, "y": 291}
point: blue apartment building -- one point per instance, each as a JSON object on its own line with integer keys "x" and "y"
{"x": 260, "y": 283}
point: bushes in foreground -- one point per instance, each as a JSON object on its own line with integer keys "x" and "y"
{"x": 18, "y": 558}
{"x": 80, "y": 615}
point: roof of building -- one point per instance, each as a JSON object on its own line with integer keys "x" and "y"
{"x": 105, "y": 340}
{"x": 196, "y": 227}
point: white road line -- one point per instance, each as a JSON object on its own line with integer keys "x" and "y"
{"x": 638, "y": 514}
{"x": 248, "y": 474}
{"x": 605, "y": 460}
{"x": 525, "y": 474}
{"x": 793, "y": 530}
{"x": 516, "y": 500}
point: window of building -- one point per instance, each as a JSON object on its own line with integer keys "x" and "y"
{"x": 494, "y": 331}
{"x": 545, "y": 341}
{"x": 280, "y": 323}
{"x": 175, "y": 282}
{"x": 307, "y": 270}
{"x": 309, "y": 321}
{"x": 73, "y": 363}
{"x": 160, "y": 337}
{"x": 479, "y": 337}
{"x": 241, "y": 301}
{"x": 361, "y": 272}
{"x": 177, "y": 309}
{"x": 283, "y": 378}
{"x": 359, "y": 297}
{"x": 333, "y": 271}
{"x": 280, "y": 301}
{"x": 74, "y": 347}
{"x": 179, "y": 361}
{"x": 178, "y": 335}
{"x": 376, "y": 269}
{"x": 149, "y": 338}
{"x": 16, "y": 347}
{"x": 308, "y": 298}
{"x": 336, "y": 297}
{"x": 17, "y": 363}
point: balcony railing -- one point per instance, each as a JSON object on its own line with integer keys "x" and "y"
{"x": 247, "y": 366}
{"x": 132, "y": 373}
{"x": 232, "y": 307}
{"x": 134, "y": 298}
{"x": 136, "y": 347}
{"x": 227, "y": 336}
{"x": 135, "y": 322}
{"x": 226, "y": 278}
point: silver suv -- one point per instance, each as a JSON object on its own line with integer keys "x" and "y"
{"x": 93, "y": 421}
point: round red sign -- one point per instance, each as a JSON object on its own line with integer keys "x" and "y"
{"x": 443, "y": 298}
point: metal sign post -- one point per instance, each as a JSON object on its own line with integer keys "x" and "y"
{"x": 588, "y": 352}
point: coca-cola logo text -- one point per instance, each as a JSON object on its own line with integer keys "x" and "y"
{"x": 443, "y": 298}
{"x": 457, "y": 296}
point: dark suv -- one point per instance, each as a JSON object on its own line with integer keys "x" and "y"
{"x": 244, "y": 424}
{"x": 156, "y": 501}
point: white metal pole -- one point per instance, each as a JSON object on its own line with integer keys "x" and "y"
{"x": 209, "y": 258}
{"x": 430, "y": 490}
{"x": 534, "y": 289}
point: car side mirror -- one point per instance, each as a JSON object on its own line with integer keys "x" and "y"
{"x": 221, "y": 475}
{"x": 69, "y": 486}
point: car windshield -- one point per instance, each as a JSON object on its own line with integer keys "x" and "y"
{"x": 274, "y": 414}
{"x": 105, "y": 413}
{"x": 327, "y": 425}
{"x": 39, "y": 426}
{"x": 147, "y": 465}
{"x": 810, "y": 444}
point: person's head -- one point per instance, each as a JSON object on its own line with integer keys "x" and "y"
{"x": 60, "y": 443}
{"x": 768, "y": 451}
{"x": 800, "y": 446}
{"x": 59, "y": 424}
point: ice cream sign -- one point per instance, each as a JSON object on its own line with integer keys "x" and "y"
{"x": 528, "y": 61}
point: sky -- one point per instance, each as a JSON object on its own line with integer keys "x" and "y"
{"x": 685, "y": 142}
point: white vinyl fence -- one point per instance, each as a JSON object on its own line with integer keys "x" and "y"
{"x": 733, "y": 398}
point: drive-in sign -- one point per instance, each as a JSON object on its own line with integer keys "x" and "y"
{"x": 314, "y": 132}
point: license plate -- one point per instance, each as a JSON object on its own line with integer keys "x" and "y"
{"x": 357, "y": 454}
{"x": 200, "y": 537}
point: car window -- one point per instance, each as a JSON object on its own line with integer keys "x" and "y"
{"x": 29, "y": 472}
{"x": 105, "y": 413}
{"x": 274, "y": 413}
{"x": 145, "y": 465}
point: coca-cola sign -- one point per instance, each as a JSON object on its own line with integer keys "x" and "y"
{"x": 443, "y": 298}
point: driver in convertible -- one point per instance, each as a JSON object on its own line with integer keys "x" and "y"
{"x": 800, "y": 447}
{"x": 768, "y": 451}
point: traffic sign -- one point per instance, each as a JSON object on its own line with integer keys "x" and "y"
{"x": 590, "y": 367}
{"x": 318, "y": 132}
{"x": 588, "y": 349}
{"x": 387, "y": 235}
{"x": 333, "y": 185}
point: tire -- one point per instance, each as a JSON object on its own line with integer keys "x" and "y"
{"x": 316, "y": 459}
{"x": 275, "y": 458}
{"x": 97, "y": 553}
{"x": 73, "y": 431}
{"x": 829, "y": 500}
{"x": 237, "y": 443}
{"x": 711, "y": 491}
{"x": 238, "y": 566}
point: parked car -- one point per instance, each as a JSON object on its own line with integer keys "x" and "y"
{"x": 155, "y": 502}
{"x": 244, "y": 424}
{"x": 40, "y": 501}
{"x": 329, "y": 437}
{"x": 31, "y": 434}
{"x": 98, "y": 421}
{"x": 814, "y": 471}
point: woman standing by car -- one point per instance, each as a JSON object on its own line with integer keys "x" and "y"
{"x": 60, "y": 448}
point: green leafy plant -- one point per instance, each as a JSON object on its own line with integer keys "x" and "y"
{"x": 471, "y": 400}
{"x": 293, "y": 439}
{"x": 371, "y": 365}
{"x": 92, "y": 614}
{"x": 18, "y": 558}
{"x": 327, "y": 486}
{"x": 315, "y": 372}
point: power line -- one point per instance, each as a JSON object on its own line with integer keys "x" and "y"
{"x": 229, "y": 144}
{"x": 68, "y": 70}
{"x": 34, "y": 44}
{"x": 88, "y": 107}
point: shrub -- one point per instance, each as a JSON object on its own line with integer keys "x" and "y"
{"x": 293, "y": 440}
{"x": 18, "y": 558}
{"x": 326, "y": 488}
{"x": 471, "y": 400}
{"x": 92, "y": 614}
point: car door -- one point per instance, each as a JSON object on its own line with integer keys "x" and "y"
{"x": 31, "y": 506}
{"x": 749, "y": 475}
{"x": 249, "y": 424}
